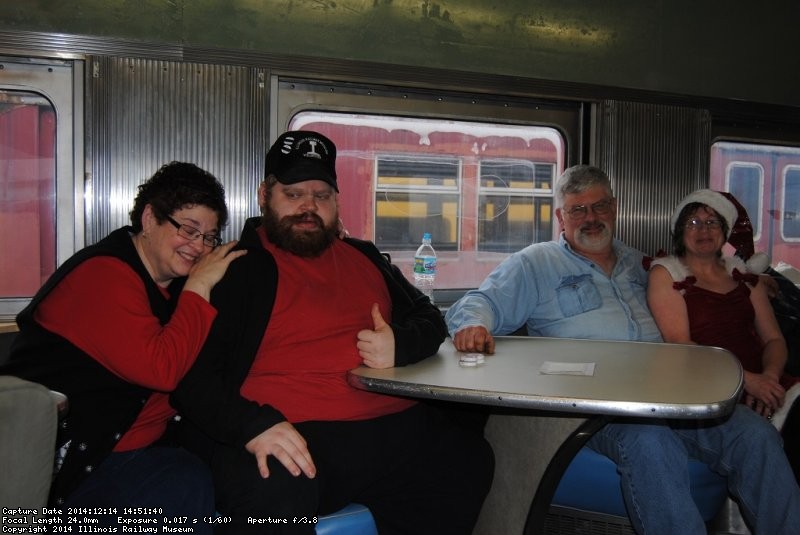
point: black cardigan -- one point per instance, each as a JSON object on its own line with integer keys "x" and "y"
{"x": 102, "y": 406}
{"x": 208, "y": 398}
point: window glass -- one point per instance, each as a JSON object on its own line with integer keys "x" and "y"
{"x": 483, "y": 191}
{"x": 791, "y": 211}
{"x": 766, "y": 180}
{"x": 745, "y": 183}
{"x": 516, "y": 200}
{"x": 27, "y": 192}
{"x": 414, "y": 196}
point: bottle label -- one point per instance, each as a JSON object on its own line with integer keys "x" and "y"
{"x": 425, "y": 265}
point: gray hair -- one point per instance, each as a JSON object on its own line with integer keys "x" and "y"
{"x": 579, "y": 178}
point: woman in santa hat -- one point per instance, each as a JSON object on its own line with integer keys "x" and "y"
{"x": 701, "y": 296}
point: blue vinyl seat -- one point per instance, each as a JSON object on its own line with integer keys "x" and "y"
{"x": 591, "y": 483}
{"x": 355, "y": 519}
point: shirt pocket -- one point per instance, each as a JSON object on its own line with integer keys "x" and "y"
{"x": 577, "y": 294}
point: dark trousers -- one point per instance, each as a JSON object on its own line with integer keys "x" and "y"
{"x": 154, "y": 483}
{"x": 417, "y": 471}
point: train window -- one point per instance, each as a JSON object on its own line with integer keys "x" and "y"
{"x": 516, "y": 201}
{"x": 41, "y": 174}
{"x": 414, "y": 196}
{"x": 481, "y": 190}
{"x": 27, "y": 192}
{"x": 766, "y": 180}
{"x": 791, "y": 202}
{"x": 745, "y": 182}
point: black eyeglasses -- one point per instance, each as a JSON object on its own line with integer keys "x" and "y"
{"x": 576, "y": 213}
{"x": 191, "y": 233}
{"x": 697, "y": 224}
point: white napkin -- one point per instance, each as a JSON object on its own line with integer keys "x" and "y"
{"x": 567, "y": 368}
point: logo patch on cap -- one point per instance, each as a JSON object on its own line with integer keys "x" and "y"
{"x": 301, "y": 155}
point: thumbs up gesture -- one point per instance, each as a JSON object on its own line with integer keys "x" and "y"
{"x": 376, "y": 346}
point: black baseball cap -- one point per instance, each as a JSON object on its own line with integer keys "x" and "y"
{"x": 300, "y": 155}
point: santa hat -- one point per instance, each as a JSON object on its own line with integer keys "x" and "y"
{"x": 740, "y": 230}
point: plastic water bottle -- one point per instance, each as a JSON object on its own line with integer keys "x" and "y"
{"x": 425, "y": 267}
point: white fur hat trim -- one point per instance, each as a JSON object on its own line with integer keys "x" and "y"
{"x": 715, "y": 200}
{"x": 758, "y": 263}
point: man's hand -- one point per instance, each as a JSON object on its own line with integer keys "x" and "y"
{"x": 376, "y": 346}
{"x": 475, "y": 339}
{"x": 770, "y": 284}
{"x": 287, "y": 445}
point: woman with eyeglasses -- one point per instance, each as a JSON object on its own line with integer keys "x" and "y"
{"x": 699, "y": 295}
{"x": 115, "y": 328}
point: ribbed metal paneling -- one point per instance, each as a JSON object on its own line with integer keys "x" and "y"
{"x": 65, "y": 45}
{"x": 654, "y": 156}
{"x": 144, "y": 113}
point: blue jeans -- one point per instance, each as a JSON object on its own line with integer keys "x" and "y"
{"x": 170, "y": 480}
{"x": 652, "y": 462}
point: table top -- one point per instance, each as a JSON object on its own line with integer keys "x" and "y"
{"x": 656, "y": 380}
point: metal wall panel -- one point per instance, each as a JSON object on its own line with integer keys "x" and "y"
{"x": 654, "y": 156}
{"x": 144, "y": 113}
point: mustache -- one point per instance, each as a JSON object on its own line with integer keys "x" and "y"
{"x": 303, "y": 218}
{"x": 593, "y": 226}
{"x": 306, "y": 243}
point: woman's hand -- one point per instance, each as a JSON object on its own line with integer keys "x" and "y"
{"x": 763, "y": 393}
{"x": 287, "y": 445}
{"x": 210, "y": 268}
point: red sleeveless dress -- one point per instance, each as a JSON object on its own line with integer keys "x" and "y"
{"x": 727, "y": 321}
{"x": 724, "y": 320}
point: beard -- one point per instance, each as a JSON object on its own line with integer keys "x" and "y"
{"x": 595, "y": 243}
{"x": 303, "y": 243}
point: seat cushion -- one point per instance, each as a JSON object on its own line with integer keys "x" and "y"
{"x": 591, "y": 483}
{"x": 355, "y": 519}
{"x": 27, "y": 442}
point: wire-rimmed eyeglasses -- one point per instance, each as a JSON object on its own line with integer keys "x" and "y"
{"x": 708, "y": 224}
{"x": 576, "y": 213}
{"x": 191, "y": 233}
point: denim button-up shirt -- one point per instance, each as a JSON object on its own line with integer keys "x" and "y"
{"x": 558, "y": 293}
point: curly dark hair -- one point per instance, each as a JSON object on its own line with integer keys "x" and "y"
{"x": 678, "y": 247}
{"x": 175, "y": 185}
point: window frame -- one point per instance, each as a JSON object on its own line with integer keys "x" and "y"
{"x": 773, "y": 151}
{"x": 536, "y": 196}
{"x": 754, "y": 218}
{"x": 61, "y": 83}
{"x": 442, "y": 190}
{"x": 786, "y": 169}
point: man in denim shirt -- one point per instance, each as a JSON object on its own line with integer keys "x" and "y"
{"x": 590, "y": 285}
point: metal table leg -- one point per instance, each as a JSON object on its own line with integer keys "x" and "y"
{"x": 537, "y": 514}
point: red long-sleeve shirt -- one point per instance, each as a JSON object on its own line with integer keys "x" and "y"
{"x": 310, "y": 343}
{"x": 102, "y": 308}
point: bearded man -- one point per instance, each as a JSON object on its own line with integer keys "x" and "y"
{"x": 267, "y": 404}
{"x": 586, "y": 275}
